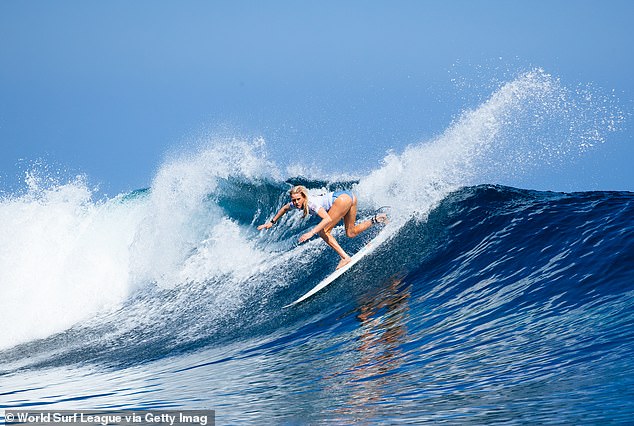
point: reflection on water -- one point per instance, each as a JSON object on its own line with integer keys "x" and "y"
{"x": 382, "y": 330}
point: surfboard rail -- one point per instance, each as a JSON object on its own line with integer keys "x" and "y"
{"x": 365, "y": 250}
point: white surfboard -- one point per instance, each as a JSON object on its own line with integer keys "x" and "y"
{"x": 367, "y": 249}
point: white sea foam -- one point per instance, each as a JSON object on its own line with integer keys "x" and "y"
{"x": 65, "y": 257}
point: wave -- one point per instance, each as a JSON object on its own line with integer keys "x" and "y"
{"x": 179, "y": 265}
{"x": 488, "y": 262}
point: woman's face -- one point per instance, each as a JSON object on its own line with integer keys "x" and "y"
{"x": 297, "y": 200}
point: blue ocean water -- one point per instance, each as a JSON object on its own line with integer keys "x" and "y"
{"x": 486, "y": 304}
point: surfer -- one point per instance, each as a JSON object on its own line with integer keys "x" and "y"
{"x": 331, "y": 208}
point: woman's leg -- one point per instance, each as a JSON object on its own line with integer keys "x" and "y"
{"x": 339, "y": 208}
{"x": 332, "y": 242}
{"x": 349, "y": 219}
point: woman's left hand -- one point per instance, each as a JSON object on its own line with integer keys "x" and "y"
{"x": 307, "y": 236}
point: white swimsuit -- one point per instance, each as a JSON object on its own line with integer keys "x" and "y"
{"x": 325, "y": 201}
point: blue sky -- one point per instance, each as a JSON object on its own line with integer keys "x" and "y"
{"x": 108, "y": 89}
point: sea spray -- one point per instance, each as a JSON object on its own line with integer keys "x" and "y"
{"x": 179, "y": 216}
{"x": 528, "y": 123}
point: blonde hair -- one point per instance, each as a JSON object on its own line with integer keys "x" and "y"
{"x": 300, "y": 189}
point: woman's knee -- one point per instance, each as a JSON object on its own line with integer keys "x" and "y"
{"x": 351, "y": 232}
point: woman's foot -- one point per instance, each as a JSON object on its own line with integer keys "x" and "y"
{"x": 344, "y": 262}
{"x": 380, "y": 218}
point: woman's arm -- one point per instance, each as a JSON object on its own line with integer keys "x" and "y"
{"x": 325, "y": 221}
{"x": 277, "y": 217}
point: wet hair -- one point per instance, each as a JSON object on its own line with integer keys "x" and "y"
{"x": 300, "y": 189}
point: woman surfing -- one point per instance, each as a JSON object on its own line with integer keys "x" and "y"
{"x": 331, "y": 208}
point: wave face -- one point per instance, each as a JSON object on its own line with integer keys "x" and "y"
{"x": 485, "y": 304}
